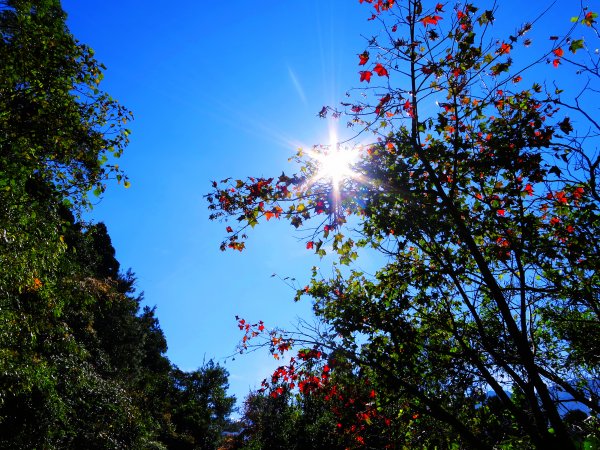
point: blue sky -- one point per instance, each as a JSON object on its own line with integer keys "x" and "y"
{"x": 222, "y": 89}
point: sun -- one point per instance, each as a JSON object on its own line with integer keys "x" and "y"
{"x": 334, "y": 163}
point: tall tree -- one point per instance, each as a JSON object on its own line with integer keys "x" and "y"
{"x": 483, "y": 198}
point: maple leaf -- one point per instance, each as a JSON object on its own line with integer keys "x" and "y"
{"x": 556, "y": 62}
{"x": 386, "y": 98}
{"x": 380, "y": 70}
{"x": 559, "y": 52}
{"x": 408, "y": 108}
{"x": 364, "y": 57}
{"x": 309, "y": 245}
{"x": 438, "y": 7}
{"x": 365, "y": 75}
{"x": 229, "y": 230}
{"x": 394, "y": 28}
{"x": 576, "y": 44}
{"x": 431, "y": 20}
{"x": 504, "y": 48}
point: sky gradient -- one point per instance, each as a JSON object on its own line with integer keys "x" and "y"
{"x": 224, "y": 89}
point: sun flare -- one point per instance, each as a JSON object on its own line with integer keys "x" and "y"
{"x": 334, "y": 163}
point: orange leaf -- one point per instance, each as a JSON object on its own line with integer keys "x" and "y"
{"x": 431, "y": 20}
{"x": 559, "y": 52}
{"x": 504, "y": 48}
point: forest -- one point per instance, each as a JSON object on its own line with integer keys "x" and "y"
{"x": 471, "y": 176}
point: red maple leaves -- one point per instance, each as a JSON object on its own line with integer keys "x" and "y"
{"x": 365, "y": 75}
{"x": 558, "y": 52}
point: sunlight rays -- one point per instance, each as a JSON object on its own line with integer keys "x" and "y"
{"x": 334, "y": 164}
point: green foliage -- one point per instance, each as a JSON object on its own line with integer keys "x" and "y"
{"x": 201, "y": 407}
{"x": 82, "y": 366}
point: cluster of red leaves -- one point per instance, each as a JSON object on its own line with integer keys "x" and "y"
{"x": 559, "y": 200}
{"x": 559, "y": 53}
{"x": 379, "y": 5}
{"x": 310, "y": 372}
{"x": 365, "y": 75}
{"x": 250, "y": 331}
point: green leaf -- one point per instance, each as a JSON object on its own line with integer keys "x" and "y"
{"x": 576, "y": 44}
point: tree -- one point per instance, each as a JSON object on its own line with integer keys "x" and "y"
{"x": 201, "y": 407}
{"x": 57, "y": 133}
{"x": 484, "y": 205}
{"x": 82, "y": 366}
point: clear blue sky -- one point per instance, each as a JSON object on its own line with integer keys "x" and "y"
{"x": 223, "y": 89}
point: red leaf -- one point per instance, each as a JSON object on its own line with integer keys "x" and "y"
{"x": 501, "y": 212}
{"x": 380, "y": 70}
{"x": 394, "y": 28}
{"x": 229, "y": 230}
{"x": 364, "y": 57}
{"x": 556, "y": 62}
{"x": 590, "y": 18}
{"x": 365, "y": 75}
{"x": 309, "y": 245}
{"x": 559, "y": 52}
{"x": 504, "y": 48}
{"x": 438, "y": 7}
{"x": 431, "y": 20}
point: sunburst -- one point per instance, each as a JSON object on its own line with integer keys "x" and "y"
{"x": 334, "y": 163}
